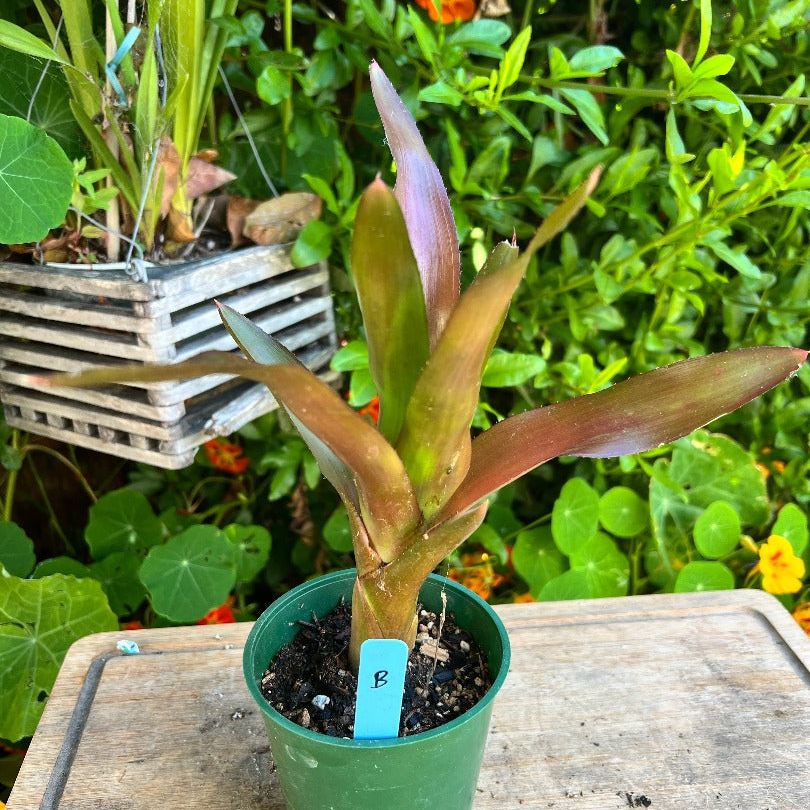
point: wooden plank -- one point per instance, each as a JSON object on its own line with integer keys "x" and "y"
{"x": 204, "y": 285}
{"x": 200, "y": 319}
{"x": 81, "y": 313}
{"x": 688, "y": 700}
{"x": 122, "y": 345}
{"x": 108, "y": 283}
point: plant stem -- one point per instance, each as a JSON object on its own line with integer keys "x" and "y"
{"x": 11, "y": 481}
{"x": 41, "y": 448}
{"x": 286, "y": 109}
{"x": 49, "y": 508}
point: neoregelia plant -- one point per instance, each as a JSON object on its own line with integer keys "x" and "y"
{"x": 415, "y": 487}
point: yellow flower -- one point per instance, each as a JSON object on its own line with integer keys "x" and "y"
{"x": 782, "y": 570}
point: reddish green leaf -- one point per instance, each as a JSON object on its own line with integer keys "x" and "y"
{"x": 387, "y": 502}
{"x": 263, "y": 348}
{"x": 630, "y": 417}
{"x": 389, "y": 290}
{"x": 423, "y": 199}
{"x": 435, "y": 439}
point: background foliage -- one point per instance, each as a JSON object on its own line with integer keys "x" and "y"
{"x": 695, "y": 241}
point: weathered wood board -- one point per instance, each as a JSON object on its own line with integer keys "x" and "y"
{"x": 69, "y": 318}
{"x": 676, "y": 702}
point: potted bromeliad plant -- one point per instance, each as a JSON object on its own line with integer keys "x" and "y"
{"x": 416, "y": 485}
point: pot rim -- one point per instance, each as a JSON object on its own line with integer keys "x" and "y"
{"x": 341, "y": 742}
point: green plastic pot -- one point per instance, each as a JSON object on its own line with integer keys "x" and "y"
{"x": 435, "y": 769}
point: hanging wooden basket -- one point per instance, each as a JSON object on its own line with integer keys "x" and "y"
{"x": 69, "y": 319}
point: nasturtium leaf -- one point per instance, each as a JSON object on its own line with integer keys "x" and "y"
{"x": 190, "y": 574}
{"x": 61, "y": 565}
{"x": 717, "y": 530}
{"x": 536, "y": 558}
{"x": 361, "y": 388}
{"x": 118, "y": 575}
{"x": 714, "y": 467}
{"x": 122, "y": 520}
{"x": 504, "y": 369}
{"x": 351, "y": 357}
{"x": 605, "y": 568}
{"x": 568, "y": 585}
{"x": 39, "y": 620}
{"x": 16, "y": 550}
{"x": 252, "y": 547}
{"x": 337, "y": 532}
{"x": 791, "y": 523}
{"x": 503, "y": 520}
{"x": 575, "y": 516}
{"x": 661, "y": 570}
{"x": 700, "y": 575}
{"x": 36, "y": 178}
{"x": 48, "y": 87}
{"x": 623, "y": 513}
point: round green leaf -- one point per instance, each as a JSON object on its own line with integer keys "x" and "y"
{"x": 61, "y": 565}
{"x": 575, "y": 516}
{"x": 337, "y": 532}
{"x": 16, "y": 550}
{"x": 252, "y": 546}
{"x": 118, "y": 575}
{"x": 717, "y": 530}
{"x": 191, "y": 574}
{"x": 704, "y": 576}
{"x": 605, "y": 568}
{"x": 623, "y": 513}
{"x": 536, "y": 558}
{"x": 792, "y": 524}
{"x": 122, "y": 521}
{"x": 569, "y": 585}
{"x": 37, "y": 181}
{"x": 48, "y": 87}
{"x": 39, "y": 620}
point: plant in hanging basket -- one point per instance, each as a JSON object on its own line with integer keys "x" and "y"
{"x": 138, "y": 94}
{"x": 416, "y": 485}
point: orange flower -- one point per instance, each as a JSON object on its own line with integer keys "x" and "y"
{"x": 372, "y": 410}
{"x": 477, "y": 583}
{"x": 782, "y": 570}
{"x": 452, "y": 10}
{"x": 225, "y": 456}
{"x": 220, "y": 615}
{"x": 133, "y": 625}
{"x": 802, "y": 616}
{"x": 523, "y": 597}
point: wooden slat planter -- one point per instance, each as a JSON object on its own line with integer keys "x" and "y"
{"x": 69, "y": 319}
{"x": 674, "y": 702}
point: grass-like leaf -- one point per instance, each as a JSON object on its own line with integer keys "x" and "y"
{"x": 387, "y": 503}
{"x": 630, "y": 417}
{"x": 435, "y": 439}
{"x": 263, "y": 348}
{"x": 389, "y": 290}
{"x": 423, "y": 199}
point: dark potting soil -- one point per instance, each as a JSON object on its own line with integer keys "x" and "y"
{"x": 311, "y": 683}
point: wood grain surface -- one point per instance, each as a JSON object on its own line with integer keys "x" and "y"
{"x": 678, "y": 702}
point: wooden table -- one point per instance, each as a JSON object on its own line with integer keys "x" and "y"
{"x": 669, "y": 701}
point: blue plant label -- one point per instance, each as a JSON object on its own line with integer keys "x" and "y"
{"x": 380, "y": 684}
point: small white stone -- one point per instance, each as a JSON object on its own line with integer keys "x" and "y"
{"x": 320, "y": 702}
